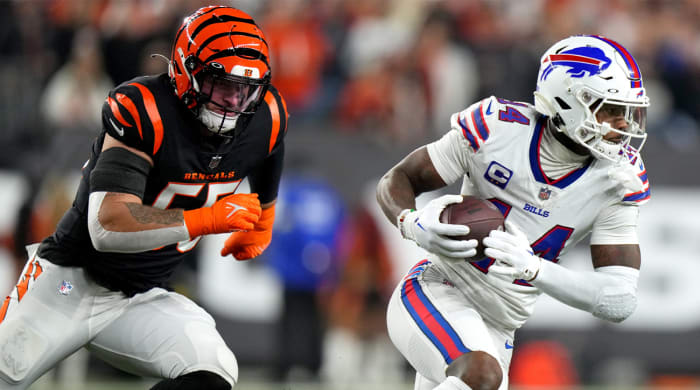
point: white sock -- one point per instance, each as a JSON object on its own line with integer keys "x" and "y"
{"x": 452, "y": 383}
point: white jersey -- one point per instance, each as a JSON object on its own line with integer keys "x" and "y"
{"x": 496, "y": 143}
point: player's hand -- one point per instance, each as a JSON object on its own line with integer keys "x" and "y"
{"x": 626, "y": 175}
{"x": 228, "y": 214}
{"x": 425, "y": 229}
{"x": 246, "y": 245}
{"x": 513, "y": 254}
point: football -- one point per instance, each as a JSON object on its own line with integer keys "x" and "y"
{"x": 479, "y": 214}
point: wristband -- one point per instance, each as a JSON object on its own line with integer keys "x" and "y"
{"x": 400, "y": 219}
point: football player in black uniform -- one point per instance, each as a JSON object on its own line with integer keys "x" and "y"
{"x": 163, "y": 172}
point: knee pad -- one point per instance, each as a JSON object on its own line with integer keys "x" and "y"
{"x": 21, "y": 347}
{"x": 194, "y": 381}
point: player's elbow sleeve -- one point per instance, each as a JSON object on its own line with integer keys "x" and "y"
{"x": 98, "y": 235}
{"x": 615, "y": 304}
{"x": 616, "y": 300}
{"x": 99, "y": 242}
{"x": 104, "y": 240}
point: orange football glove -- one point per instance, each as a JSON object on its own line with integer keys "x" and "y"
{"x": 228, "y": 214}
{"x": 246, "y": 245}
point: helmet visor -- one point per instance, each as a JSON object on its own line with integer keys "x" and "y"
{"x": 627, "y": 119}
{"x": 230, "y": 94}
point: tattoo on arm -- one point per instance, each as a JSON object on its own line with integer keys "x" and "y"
{"x": 145, "y": 215}
{"x": 627, "y": 255}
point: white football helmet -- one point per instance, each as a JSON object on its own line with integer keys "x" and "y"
{"x": 583, "y": 74}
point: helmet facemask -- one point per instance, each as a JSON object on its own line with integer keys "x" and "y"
{"x": 223, "y": 98}
{"x": 613, "y": 130}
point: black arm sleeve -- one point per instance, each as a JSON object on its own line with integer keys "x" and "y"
{"x": 265, "y": 180}
{"x": 119, "y": 170}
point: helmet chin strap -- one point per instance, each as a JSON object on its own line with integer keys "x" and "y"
{"x": 217, "y": 123}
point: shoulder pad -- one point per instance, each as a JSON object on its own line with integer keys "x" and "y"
{"x": 278, "y": 117}
{"x": 130, "y": 114}
{"x": 643, "y": 196}
{"x": 478, "y": 122}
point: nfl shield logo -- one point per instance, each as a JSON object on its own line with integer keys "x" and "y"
{"x": 65, "y": 288}
{"x": 214, "y": 162}
{"x": 545, "y": 193}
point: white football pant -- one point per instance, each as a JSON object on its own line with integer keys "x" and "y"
{"x": 54, "y": 311}
{"x": 432, "y": 323}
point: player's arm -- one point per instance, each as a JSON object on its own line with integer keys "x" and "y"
{"x": 398, "y": 188}
{"x": 608, "y": 292}
{"x": 118, "y": 221}
{"x": 396, "y": 193}
{"x": 427, "y": 168}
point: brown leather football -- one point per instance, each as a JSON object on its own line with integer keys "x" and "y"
{"x": 479, "y": 214}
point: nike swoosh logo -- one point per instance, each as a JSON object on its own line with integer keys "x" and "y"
{"x": 235, "y": 208}
{"x": 118, "y": 129}
{"x": 509, "y": 346}
{"x": 488, "y": 109}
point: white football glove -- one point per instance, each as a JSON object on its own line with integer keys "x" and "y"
{"x": 514, "y": 256}
{"x": 626, "y": 175}
{"x": 425, "y": 229}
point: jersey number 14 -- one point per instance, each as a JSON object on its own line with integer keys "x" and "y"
{"x": 548, "y": 246}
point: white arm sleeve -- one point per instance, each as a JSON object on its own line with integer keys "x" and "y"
{"x": 609, "y": 293}
{"x": 448, "y": 155}
{"x": 128, "y": 242}
{"x": 616, "y": 224}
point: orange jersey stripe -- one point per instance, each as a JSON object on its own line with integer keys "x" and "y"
{"x": 3, "y": 309}
{"x": 152, "y": 110}
{"x": 275, "y": 113}
{"x": 23, "y": 285}
{"x": 131, "y": 107}
{"x": 284, "y": 106}
{"x": 117, "y": 113}
{"x": 38, "y": 269}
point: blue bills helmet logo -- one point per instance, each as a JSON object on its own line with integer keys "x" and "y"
{"x": 581, "y": 61}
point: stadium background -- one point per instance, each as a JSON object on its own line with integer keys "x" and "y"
{"x": 366, "y": 81}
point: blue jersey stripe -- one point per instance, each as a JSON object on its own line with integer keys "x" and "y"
{"x": 535, "y": 153}
{"x": 535, "y": 167}
{"x": 638, "y": 196}
{"x": 480, "y": 125}
{"x": 468, "y": 134}
{"x": 644, "y": 177}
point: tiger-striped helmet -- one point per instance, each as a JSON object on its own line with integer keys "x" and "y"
{"x": 220, "y": 51}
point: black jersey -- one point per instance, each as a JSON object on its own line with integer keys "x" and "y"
{"x": 190, "y": 169}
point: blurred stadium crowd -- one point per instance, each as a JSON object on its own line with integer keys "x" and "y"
{"x": 365, "y": 81}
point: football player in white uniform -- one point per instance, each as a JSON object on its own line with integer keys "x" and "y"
{"x": 559, "y": 170}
